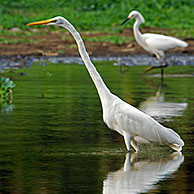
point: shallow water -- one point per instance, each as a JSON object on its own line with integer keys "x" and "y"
{"x": 53, "y": 139}
{"x": 131, "y": 60}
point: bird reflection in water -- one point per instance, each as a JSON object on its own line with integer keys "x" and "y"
{"x": 157, "y": 107}
{"x": 139, "y": 176}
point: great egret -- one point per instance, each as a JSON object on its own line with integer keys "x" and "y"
{"x": 130, "y": 122}
{"x": 154, "y": 43}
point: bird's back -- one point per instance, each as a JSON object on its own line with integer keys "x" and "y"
{"x": 137, "y": 123}
{"x": 162, "y": 42}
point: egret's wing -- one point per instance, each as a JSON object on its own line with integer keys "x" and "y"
{"x": 140, "y": 124}
{"x": 161, "y": 42}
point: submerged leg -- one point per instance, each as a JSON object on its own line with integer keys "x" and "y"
{"x": 135, "y": 146}
{"x": 162, "y": 65}
{"x": 127, "y": 139}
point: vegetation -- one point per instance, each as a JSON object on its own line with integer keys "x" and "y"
{"x": 6, "y": 86}
{"x": 175, "y": 17}
{"x": 6, "y": 95}
{"x": 117, "y": 40}
{"x": 98, "y": 15}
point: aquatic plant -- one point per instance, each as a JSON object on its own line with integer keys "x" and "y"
{"x": 6, "y": 86}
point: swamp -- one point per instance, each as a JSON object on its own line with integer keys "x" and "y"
{"x": 52, "y": 136}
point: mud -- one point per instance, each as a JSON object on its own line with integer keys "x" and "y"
{"x": 58, "y": 43}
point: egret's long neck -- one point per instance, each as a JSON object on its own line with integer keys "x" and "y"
{"x": 137, "y": 33}
{"x": 103, "y": 91}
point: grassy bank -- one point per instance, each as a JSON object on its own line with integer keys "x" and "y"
{"x": 98, "y": 15}
{"x": 175, "y": 18}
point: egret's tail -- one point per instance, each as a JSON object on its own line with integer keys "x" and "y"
{"x": 176, "y": 147}
{"x": 182, "y": 43}
{"x": 176, "y": 143}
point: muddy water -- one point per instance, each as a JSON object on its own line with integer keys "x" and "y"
{"x": 53, "y": 139}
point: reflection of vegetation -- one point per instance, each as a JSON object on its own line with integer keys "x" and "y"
{"x": 6, "y": 95}
{"x": 6, "y": 107}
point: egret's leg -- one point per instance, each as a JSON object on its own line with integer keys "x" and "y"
{"x": 148, "y": 69}
{"x": 151, "y": 67}
{"x": 135, "y": 146}
{"x": 162, "y": 74}
{"x": 127, "y": 138}
{"x": 162, "y": 65}
{"x": 162, "y": 70}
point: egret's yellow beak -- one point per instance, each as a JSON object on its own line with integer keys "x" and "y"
{"x": 41, "y": 22}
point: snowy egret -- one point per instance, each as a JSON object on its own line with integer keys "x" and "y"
{"x": 130, "y": 122}
{"x": 154, "y": 43}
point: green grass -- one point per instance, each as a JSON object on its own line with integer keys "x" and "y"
{"x": 95, "y": 16}
{"x": 186, "y": 33}
{"x": 98, "y": 15}
{"x": 16, "y": 41}
{"x": 11, "y": 37}
{"x": 117, "y": 40}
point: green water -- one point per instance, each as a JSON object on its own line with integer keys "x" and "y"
{"x": 53, "y": 139}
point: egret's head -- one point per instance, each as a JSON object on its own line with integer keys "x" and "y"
{"x": 53, "y": 21}
{"x": 134, "y": 14}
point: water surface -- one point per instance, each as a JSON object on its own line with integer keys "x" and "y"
{"x": 53, "y": 139}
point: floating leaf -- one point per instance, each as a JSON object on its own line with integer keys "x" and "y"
{"x": 9, "y": 84}
{"x": 5, "y": 88}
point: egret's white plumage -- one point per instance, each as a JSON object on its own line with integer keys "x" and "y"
{"x": 154, "y": 43}
{"x": 130, "y": 122}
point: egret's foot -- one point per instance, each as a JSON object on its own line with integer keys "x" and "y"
{"x": 148, "y": 69}
{"x": 155, "y": 67}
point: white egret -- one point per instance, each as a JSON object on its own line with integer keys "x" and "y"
{"x": 156, "y": 44}
{"x": 130, "y": 122}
